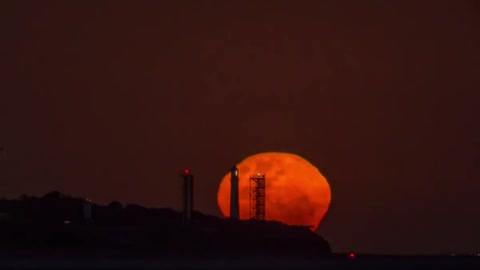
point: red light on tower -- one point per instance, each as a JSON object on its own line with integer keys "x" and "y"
{"x": 351, "y": 255}
{"x": 187, "y": 171}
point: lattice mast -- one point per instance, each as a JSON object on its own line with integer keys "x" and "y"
{"x": 257, "y": 197}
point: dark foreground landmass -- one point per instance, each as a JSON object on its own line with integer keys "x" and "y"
{"x": 56, "y": 224}
{"x": 51, "y": 232}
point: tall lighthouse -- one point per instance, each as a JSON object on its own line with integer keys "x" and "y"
{"x": 234, "y": 204}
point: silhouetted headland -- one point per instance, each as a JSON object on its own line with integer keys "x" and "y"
{"x": 57, "y": 223}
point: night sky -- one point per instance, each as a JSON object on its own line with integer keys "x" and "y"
{"x": 112, "y": 100}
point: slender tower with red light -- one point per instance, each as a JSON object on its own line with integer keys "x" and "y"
{"x": 187, "y": 195}
{"x": 234, "y": 204}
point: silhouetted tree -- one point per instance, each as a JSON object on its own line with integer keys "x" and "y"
{"x": 114, "y": 205}
{"x": 54, "y": 195}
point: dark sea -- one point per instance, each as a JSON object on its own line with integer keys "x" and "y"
{"x": 367, "y": 262}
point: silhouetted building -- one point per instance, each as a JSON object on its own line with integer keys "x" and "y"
{"x": 87, "y": 211}
{"x": 187, "y": 195}
{"x": 234, "y": 203}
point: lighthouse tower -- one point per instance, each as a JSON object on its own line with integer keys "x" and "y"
{"x": 234, "y": 204}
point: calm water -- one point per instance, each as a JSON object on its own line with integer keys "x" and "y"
{"x": 337, "y": 263}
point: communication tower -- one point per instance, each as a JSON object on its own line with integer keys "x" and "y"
{"x": 257, "y": 197}
{"x": 187, "y": 195}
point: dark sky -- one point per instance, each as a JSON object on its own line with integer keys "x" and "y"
{"x": 111, "y": 100}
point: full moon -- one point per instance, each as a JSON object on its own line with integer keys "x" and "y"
{"x": 296, "y": 192}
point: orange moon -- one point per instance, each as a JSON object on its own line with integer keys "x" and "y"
{"x": 296, "y": 192}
